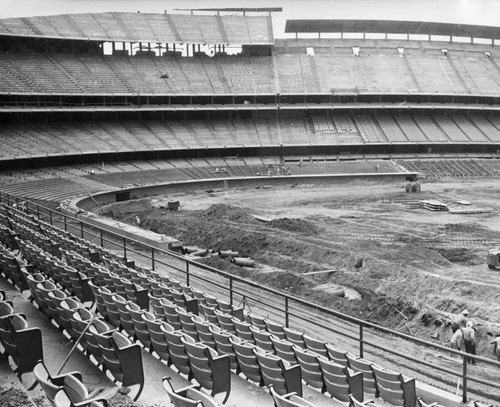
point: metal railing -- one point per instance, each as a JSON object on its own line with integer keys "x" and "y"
{"x": 363, "y": 333}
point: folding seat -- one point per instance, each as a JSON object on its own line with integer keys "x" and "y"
{"x": 339, "y": 381}
{"x": 188, "y": 396}
{"x": 288, "y": 400}
{"x": 257, "y": 321}
{"x": 262, "y": 339}
{"x": 75, "y": 394}
{"x": 336, "y": 355}
{"x": 223, "y": 344}
{"x": 297, "y": 338}
{"x": 156, "y": 330}
{"x": 117, "y": 285}
{"x": 187, "y": 324}
{"x": 43, "y": 290}
{"x": 315, "y": 345}
{"x": 171, "y": 315}
{"x": 84, "y": 315}
{"x": 284, "y": 349}
{"x": 156, "y": 307}
{"x": 394, "y": 388}
{"x": 311, "y": 370}
{"x": 365, "y": 368}
{"x": 208, "y": 313}
{"x": 99, "y": 300}
{"x": 80, "y": 286}
{"x": 284, "y": 377}
{"x": 140, "y": 327}
{"x": 91, "y": 346}
{"x": 53, "y": 300}
{"x": 6, "y": 307}
{"x": 354, "y": 402}
{"x": 242, "y": 330}
{"x": 33, "y": 280}
{"x": 177, "y": 351}
{"x": 50, "y": 384}
{"x": 225, "y": 321}
{"x": 21, "y": 343}
{"x": 199, "y": 295}
{"x": 112, "y": 313}
{"x": 136, "y": 294}
{"x": 227, "y": 308}
{"x": 126, "y": 322}
{"x": 183, "y": 301}
{"x": 246, "y": 360}
{"x": 275, "y": 329}
{"x": 210, "y": 370}
{"x": 203, "y": 331}
{"x": 66, "y": 308}
{"x": 122, "y": 359}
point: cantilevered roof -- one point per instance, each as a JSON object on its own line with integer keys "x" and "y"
{"x": 145, "y": 27}
{"x": 391, "y": 27}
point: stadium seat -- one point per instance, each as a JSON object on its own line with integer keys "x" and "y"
{"x": 393, "y": 388}
{"x": 188, "y": 396}
{"x": 340, "y": 382}
{"x": 51, "y": 384}
{"x": 75, "y": 394}
{"x": 288, "y": 400}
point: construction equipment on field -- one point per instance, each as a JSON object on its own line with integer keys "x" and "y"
{"x": 493, "y": 258}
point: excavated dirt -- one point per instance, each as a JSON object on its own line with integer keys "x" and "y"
{"x": 373, "y": 239}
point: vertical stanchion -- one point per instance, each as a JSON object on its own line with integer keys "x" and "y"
{"x": 8, "y": 200}
{"x": 124, "y": 248}
{"x": 287, "y": 315}
{"x": 464, "y": 380}
{"x": 361, "y": 340}
{"x": 187, "y": 272}
{"x": 81, "y": 229}
{"x": 38, "y": 211}
{"x": 152, "y": 258}
{"x": 102, "y": 239}
{"x": 231, "y": 290}
{"x": 65, "y": 223}
{"x": 50, "y": 216}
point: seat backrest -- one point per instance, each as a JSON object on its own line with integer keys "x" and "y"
{"x": 289, "y": 400}
{"x": 315, "y": 345}
{"x": 42, "y": 376}
{"x": 365, "y": 368}
{"x": 336, "y": 355}
{"x": 393, "y": 388}
{"x": 297, "y": 338}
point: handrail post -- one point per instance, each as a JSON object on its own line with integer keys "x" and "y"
{"x": 464, "y": 380}
{"x": 81, "y": 229}
{"x": 50, "y": 216}
{"x": 187, "y": 272}
{"x": 102, "y": 238}
{"x": 65, "y": 223}
{"x": 287, "y": 315}
{"x": 361, "y": 331}
{"x": 231, "y": 290}
{"x": 38, "y": 212}
{"x": 152, "y": 258}
{"x": 125, "y": 248}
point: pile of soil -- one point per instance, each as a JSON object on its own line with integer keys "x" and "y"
{"x": 12, "y": 397}
{"x": 294, "y": 225}
{"x": 412, "y": 265}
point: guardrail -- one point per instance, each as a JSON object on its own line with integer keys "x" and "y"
{"x": 247, "y": 292}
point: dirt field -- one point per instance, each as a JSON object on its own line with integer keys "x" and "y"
{"x": 426, "y": 265}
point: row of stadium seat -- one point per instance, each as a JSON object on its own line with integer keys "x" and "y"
{"x": 376, "y": 72}
{"x": 59, "y": 138}
{"x": 256, "y": 352}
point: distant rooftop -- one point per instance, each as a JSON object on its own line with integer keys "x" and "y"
{"x": 391, "y": 27}
{"x": 145, "y": 27}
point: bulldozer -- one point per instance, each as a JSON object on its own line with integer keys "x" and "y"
{"x": 493, "y": 258}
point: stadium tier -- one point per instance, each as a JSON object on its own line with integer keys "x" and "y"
{"x": 144, "y": 27}
{"x": 62, "y": 138}
{"x": 379, "y": 70}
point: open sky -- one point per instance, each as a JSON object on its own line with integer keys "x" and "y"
{"x": 483, "y": 12}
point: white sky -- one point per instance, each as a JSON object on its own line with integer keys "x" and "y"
{"x": 483, "y": 12}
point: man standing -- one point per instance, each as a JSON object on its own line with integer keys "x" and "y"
{"x": 468, "y": 335}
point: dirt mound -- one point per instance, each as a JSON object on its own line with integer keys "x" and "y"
{"x": 462, "y": 255}
{"x": 227, "y": 212}
{"x": 294, "y": 225}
